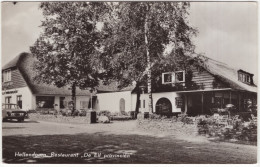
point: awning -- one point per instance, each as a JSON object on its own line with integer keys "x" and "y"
{"x": 207, "y": 90}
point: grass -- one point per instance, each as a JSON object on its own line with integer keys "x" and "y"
{"x": 142, "y": 149}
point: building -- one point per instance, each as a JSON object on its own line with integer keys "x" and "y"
{"x": 18, "y": 86}
{"x": 212, "y": 85}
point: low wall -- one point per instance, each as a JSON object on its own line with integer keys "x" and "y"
{"x": 60, "y": 118}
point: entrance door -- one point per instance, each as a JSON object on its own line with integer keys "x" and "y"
{"x": 122, "y": 105}
{"x": 163, "y": 107}
{"x": 196, "y": 107}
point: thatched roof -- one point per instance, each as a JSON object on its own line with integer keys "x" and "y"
{"x": 12, "y": 63}
{"x": 112, "y": 87}
{"x": 218, "y": 69}
{"x": 226, "y": 74}
{"x": 24, "y": 62}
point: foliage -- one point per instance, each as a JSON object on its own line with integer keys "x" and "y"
{"x": 66, "y": 50}
{"x": 236, "y": 130}
{"x": 137, "y": 35}
{"x": 83, "y": 42}
{"x": 60, "y": 118}
{"x": 67, "y": 47}
{"x": 157, "y": 123}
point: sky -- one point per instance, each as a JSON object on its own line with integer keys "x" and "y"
{"x": 227, "y": 31}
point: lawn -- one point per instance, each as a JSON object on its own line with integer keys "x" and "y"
{"x": 140, "y": 148}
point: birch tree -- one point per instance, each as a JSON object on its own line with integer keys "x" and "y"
{"x": 137, "y": 36}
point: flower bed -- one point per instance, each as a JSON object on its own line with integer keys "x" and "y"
{"x": 170, "y": 125}
{"x": 237, "y": 131}
{"x": 59, "y": 118}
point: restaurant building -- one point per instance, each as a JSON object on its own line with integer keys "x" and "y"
{"x": 213, "y": 85}
{"x": 19, "y": 87}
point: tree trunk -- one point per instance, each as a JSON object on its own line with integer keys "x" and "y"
{"x": 138, "y": 94}
{"x": 149, "y": 82}
{"x": 73, "y": 98}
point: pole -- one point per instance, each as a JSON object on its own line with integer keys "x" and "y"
{"x": 91, "y": 101}
{"x": 202, "y": 102}
{"x": 230, "y": 97}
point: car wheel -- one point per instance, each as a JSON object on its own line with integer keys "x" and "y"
{"x": 4, "y": 119}
{"x": 20, "y": 120}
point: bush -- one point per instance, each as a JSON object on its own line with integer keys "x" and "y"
{"x": 158, "y": 123}
{"x": 238, "y": 130}
{"x": 208, "y": 126}
{"x": 59, "y": 118}
{"x": 246, "y": 116}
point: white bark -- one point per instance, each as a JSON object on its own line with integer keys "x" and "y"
{"x": 149, "y": 82}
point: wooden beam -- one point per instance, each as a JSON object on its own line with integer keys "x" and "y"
{"x": 239, "y": 101}
{"x": 202, "y": 102}
{"x": 222, "y": 99}
{"x": 230, "y": 100}
{"x": 186, "y": 103}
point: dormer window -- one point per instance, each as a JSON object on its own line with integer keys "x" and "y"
{"x": 173, "y": 77}
{"x": 7, "y": 75}
{"x": 245, "y": 77}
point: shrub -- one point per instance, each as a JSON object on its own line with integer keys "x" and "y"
{"x": 60, "y": 118}
{"x": 158, "y": 123}
{"x": 237, "y": 129}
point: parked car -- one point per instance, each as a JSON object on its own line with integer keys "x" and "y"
{"x": 12, "y": 111}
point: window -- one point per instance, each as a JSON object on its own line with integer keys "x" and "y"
{"x": 179, "y": 76}
{"x": 8, "y": 99}
{"x": 244, "y": 77}
{"x": 167, "y": 77}
{"x": 247, "y": 78}
{"x": 19, "y": 101}
{"x": 139, "y": 103}
{"x": 45, "y": 101}
{"x": 83, "y": 104}
{"x": 179, "y": 102}
{"x": 143, "y": 103}
{"x": 173, "y": 77}
{"x": 7, "y": 75}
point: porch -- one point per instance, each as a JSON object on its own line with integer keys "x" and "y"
{"x": 202, "y": 102}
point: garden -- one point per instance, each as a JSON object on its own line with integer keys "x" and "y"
{"x": 80, "y": 116}
{"x": 223, "y": 125}
{"x": 237, "y": 128}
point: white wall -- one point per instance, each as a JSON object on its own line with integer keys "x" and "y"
{"x": 144, "y": 99}
{"x": 27, "y": 97}
{"x": 169, "y": 95}
{"x": 156, "y": 96}
{"x": 110, "y": 101}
